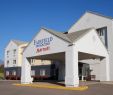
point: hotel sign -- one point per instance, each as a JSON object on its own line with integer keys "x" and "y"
{"x": 43, "y": 44}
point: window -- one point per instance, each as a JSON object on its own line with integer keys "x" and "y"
{"x": 42, "y": 72}
{"x": 8, "y": 53}
{"x": 7, "y": 73}
{"x": 101, "y": 31}
{"x": 14, "y": 61}
{"x": 14, "y": 52}
{"x": 103, "y": 35}
{"x": 14, "y": 73}
{"x": 7, "y": 62}
{"x": 32, "y": 72}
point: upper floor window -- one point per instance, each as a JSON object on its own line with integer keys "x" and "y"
{"x": 103, "y": 35}
{"x": 14, "y": 61}
{"x": 14, "y": 51}
{"x": 8, "y": 53}
{"x": 7, "y": 62}
{"x": 101, "y": 31}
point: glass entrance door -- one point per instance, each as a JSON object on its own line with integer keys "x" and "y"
{"x": 84, "y": 71}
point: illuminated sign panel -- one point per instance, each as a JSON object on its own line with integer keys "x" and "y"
{"x": 43, "y": 44}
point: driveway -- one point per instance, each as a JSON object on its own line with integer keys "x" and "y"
{"x": 95, "y": 88}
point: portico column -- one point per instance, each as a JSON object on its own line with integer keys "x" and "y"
{"x": 71, "y": 75}
{"x": 26, "y": 72}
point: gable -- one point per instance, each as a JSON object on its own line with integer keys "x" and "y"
{"x": 45, "y": 43}
{"x": 11, "y": 45}
{"x": 91, "y": 43}
{"x": 89, "y": 20}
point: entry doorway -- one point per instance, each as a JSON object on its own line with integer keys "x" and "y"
{"x": 84, "y": 71}
{"x": 55, "y": 71}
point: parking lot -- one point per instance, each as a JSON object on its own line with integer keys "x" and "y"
{"x": 95, "y": 88}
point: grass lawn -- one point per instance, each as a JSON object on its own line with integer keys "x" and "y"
{"x": 1, "y": 76}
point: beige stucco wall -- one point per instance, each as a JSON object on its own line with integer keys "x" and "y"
{"x": 20, "y": 53}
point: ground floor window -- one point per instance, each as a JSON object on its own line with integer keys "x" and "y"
{"x": 32, "y": 72}
{"x": 7, "y": 73}
{"x": 14, "y": 73}
{"x": 42, "y": 72}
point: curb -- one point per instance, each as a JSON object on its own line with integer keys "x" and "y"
{"x": 81, "y": 88}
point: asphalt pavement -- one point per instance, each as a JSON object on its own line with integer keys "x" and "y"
{"x": 6, "y": 88}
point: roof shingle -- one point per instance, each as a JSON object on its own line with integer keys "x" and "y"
{"x": 70, "y": 37}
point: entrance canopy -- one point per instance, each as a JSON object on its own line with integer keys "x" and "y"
{"x": 61, "y": 56}
{"x": 85, "y": 56}
{"x": 51, "y": 45}
{"x": 55, "y": 56}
